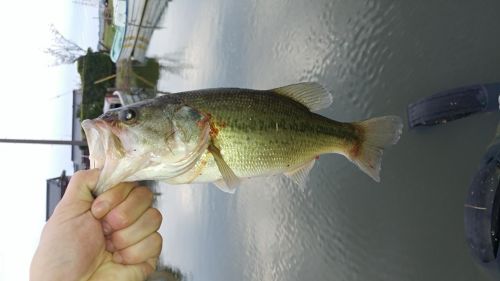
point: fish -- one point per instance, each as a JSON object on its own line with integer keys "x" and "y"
{"x": 226, "y": 135}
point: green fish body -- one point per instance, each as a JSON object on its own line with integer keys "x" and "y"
{"x": 249, "y": 133}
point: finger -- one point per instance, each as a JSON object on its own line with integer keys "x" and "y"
{"x": 152, "y": 262}
{"x": 146, "y": 249}
{"x": 80, "y": 187}
{"x": 146, "y": 269}
{"x": 139, "y": 271}
{"x": 147, "y": 224}
{"x": 111, "y": 198}
{"x": 127, "y": 212}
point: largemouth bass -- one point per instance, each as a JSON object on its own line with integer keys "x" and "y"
{"x": 225, "y": 135}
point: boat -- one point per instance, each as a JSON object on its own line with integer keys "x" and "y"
{"x": 119, "y": 21}
{"x": 136, "y": 20}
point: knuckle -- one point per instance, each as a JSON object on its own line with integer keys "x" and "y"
{"x": 119, "y": 241}
{"x": 131, "y": 256}
{"x": 119, "y": 219}
{"x": 79, "y": 175}
{"x": 158, "y": 244}
{"x": 151, "y": 248}
{"x": 144, "y": 192}
{"x": 84, "y": 174}
{"x": 153, "y": 262}
{"x": 147, "y": 269}
{"x": 157, "y": 240}
{"x": 155, "y": 216}
{"x": 118, "y": 193}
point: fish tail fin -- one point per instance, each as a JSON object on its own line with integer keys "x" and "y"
{"x": 377, "y": 134}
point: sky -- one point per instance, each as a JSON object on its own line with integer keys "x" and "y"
{"x": 36, "y": 101}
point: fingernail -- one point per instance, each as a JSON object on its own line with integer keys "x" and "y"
{"x": 106, "y": 228}
{"x": 100, "y": 209}
{"x": 117, "y": 258}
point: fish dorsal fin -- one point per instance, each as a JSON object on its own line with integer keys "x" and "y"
{"x": 300, "y": 174}
{"x": 230, "y": 179}
{"x": 311, "y": 94}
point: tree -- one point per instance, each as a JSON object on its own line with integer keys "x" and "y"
{"x": 94, "y": 66}
{"x": 62, "y": 49}
{"x": 173, "y": 63}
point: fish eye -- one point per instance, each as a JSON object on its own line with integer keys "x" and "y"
{"x": 128, "y": 115}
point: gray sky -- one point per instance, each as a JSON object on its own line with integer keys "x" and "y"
{"x": 36, "y": 103}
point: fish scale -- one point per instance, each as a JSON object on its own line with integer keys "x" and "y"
{"x": 249, "y": 140}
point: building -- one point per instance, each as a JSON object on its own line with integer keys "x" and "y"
{"x": 55, "y": 191}
{"x": 79, "y": 154}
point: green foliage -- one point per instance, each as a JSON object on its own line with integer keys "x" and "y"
{"x": 95, "y": 66}
{"x": 150, "y": 71}
{"x": 92, "y": 67}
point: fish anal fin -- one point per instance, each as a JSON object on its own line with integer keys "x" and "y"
{"x": 221, "y": 184}
{"x": 299, "y": 175}
{"x": 230, "y": 179}
{"x": 311, "y": 94}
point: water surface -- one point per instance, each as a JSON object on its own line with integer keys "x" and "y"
{"x": 375, "y": 57}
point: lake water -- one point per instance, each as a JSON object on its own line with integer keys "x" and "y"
{"x": 375, "y": 57}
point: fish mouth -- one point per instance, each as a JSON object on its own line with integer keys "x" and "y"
{"x": 118, "y": 164}
{"x": 105, "y": 153}
{"x": 100, "y": 140}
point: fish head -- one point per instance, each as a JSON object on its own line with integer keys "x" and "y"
{"x": 150, "y": 140}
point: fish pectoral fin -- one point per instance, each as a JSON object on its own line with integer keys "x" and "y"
{"x": 221, "y": 184}
{"x": 312, "y": 95}
{"x": 230, "y": 179}
{"x": 299, "y": 175}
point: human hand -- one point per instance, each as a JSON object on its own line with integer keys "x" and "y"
{"x": 112, "y": 237}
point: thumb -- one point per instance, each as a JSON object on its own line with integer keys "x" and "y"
{"x": 80, "y": 187}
